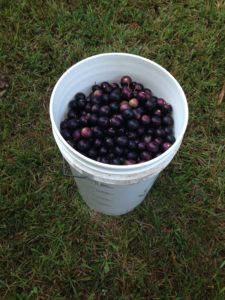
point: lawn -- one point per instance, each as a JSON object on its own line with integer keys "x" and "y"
{"x": 52, "y": 246}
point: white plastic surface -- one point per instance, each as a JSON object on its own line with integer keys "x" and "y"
{"x": 127, "y": 182}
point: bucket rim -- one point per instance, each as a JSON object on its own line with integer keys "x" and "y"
{"x": 118, "y": 167}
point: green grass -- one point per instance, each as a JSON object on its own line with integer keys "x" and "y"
{"x": 52, "y": 246}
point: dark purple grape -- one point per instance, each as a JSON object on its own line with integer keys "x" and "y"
{"x": 98, "y": 93}
{"x": 103, "y": 151}
{"x": 81, "y": 103}
{"x": 97, "y": 143}
{"x": 171, "y": 139}
{"x": 73, "y": 104}
{"x": 125, "y": 81}
{"x": 104, "y": 84}
{"x": 168, "y": 130}
{"x": 76, "y": 135}
{"x": 95, "y": 99}
{"x": 71, "y": 114}
{"x": 149, "y": 105}
{"x": 133, "y": 102}
{"x": 121, "y": 131}
{"x": 95, "y": 108}
{"x": 138, "y": 87}
{"x": 147, "y": 138}
{"x": 165, "y": 146}
{"x": 86, "y": 132}
{"x": 119, "y": 116}
{"x": 110, "y": 155}
{"x": 141, "y": 131}
{"x": 132, "y": 155}
{"x": 160, "y": 102}
{"x": 148, "y": 92}
{"x": 167, "y": 108}
{"x": 92, "y": 153}
{"x": 97, "y": 131}
{"x": 167, "y": 121}
{"x": 145, "y": 120}
{"x": 93, "y": 119}
{"x": 131, "y": 145}
{"x": 105, "y": 99}
{"x": 88, "y": 107}
{"x": 83, "y": 145}
{"x": 118, "y": 150}
{"x": 72, "y": 124}
{"x": 145, "y": 156}
{"x": 122, "y": 141}
{"x": 80, "y": 96}
{"x": 114, "y": 85}
{"x": 142, "y": 97}
{"x": 158, "y": 112}
{"x": 115, "y": 122}
{"x": 115, "y": 95}
{"x": 104, "y": 110}
{"x": 114, "y": 107}
{"x": 137, "y": 114}
{"x": 104, "y": 160}
{"x": 124, "y": 105}
{"x": 133, "y": 124}
{"x": 128, "y": 114}
{"x": 158, "y": 140}
{"x": 152, "y": 147}
{"x": 156, "y": 121}
{"x": 109, "y": 142}
{"x": 116, "y": 161}
{"x": 64, "y": 124}
{"x": 159, "y": 132}
{"x": 132, "y": 135}
{"x": 126, "y": 93}
{"x": 108, "y": 89}
{"x": 83, "y": 121}
{"x": 95, "y": 87}
{"x": 103, "y": 122}
{"x": 111, "y": 132}
{"x": 133, "y": 84}
{"x": 141, "y": 110}
{"x": 141, "y": 146}
{"x": 150, "y": 131}
{"x": 66, "y": 134}
{"x": 129, "y": 162}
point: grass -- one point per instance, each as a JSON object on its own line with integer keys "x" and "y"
{"x": 52, "y": 246}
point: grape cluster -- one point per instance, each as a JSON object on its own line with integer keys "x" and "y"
{"x": 119, "y": 124}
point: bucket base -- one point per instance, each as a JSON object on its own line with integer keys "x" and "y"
{"x": 110, "y": 199}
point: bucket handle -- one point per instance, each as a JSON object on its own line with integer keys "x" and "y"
{"x": 66, "y": 173}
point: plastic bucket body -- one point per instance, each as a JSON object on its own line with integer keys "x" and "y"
{"x": 110, "y": 189}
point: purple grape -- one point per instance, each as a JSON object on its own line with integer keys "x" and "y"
{"x": 95, "y": 108}
{"x": 146, "y": 120}
{"x": 81, "y": 103}
{"x": 114, "y": 107}
{"x": 137, "y": 114}
{"x": 148, "y": 92}
{"x": 158, "y": 112}
{"x": 132, "y": 155}
{"x": 132, "y": 135}
{"x": 138, "y": 87}
{"x": 133, "y": 84}
{"x": 167, "y": 121}
{"x": 122, "y": 141}
{"x": 108, "y": 89}
{"x": 131, "y": 145}
{"x": 142, "y": 97}
{"x": 83, "y": 121}
{"x": 83, "y": 145}
{"x": 97, "y": 131}
{"x": 97, "y": 143}
{"x": 95, "y": 99}
{"x": 115, "y": 85}
{"x": 104, "y": 110}
{"x": 116, "y": 161}
{"x": 133, "y": 124}
{"x": 76, "y": 135}
{"x": 124, "y": 105}
{"x": 118, "y": 150}
{"x": 72, "y": 124}
{"x": 160, "y": 102}
{"x": 152, "y": 147}
{"x": 126, "y": 93}
{"x": 64, "y": 124}
{"x": 145, "y": 156}
{"x": 111, "y": 132}
{"x": 73, "y": 104}
{"x": 66, "y": 134}
{"x": 92, "y": 153}
{"x": 71, "y": 143}
{"x": 125, "y": 81}
{"x": 103, "y": 122}
{"x": 98, "y": 93}
{"x": 104, "y": 84}
{"x": 105, "y": 99}
{"x": 71, "y": 114}
{"x": 121, "y": 131}
{"x": 86, "y": 132}
{"x": 168, "y": 130}
{"x": 147, "y": 138}
{"x": 141, "y": 131}
{"x": 128, "y": 114}
{"x": 88, "y": 107}
{"x": 167, "y": 108}
{"x": 104, "y": 160}
{"x": 156, "y": 121}
{"x": 93, "y": 119}
{"x": 159, "y": 132}
{"x": 141, "y": 146}
{"x": 130, "y": 162}
{"x": 103, "y": 151}
{"x": 158, "y": 140}
{"x": 109, "y": 142}
{"x": 115, "y": 95}
{"x": 165, "y": 146}
{"x": 95, "y": 87}
{"x": 115, "y": 122}
{"x": 171, "y": 139}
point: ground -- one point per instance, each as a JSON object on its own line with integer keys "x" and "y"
{"x": 52, "y": 246}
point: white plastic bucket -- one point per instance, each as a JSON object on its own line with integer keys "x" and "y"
{"x": 110, "y": 189}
